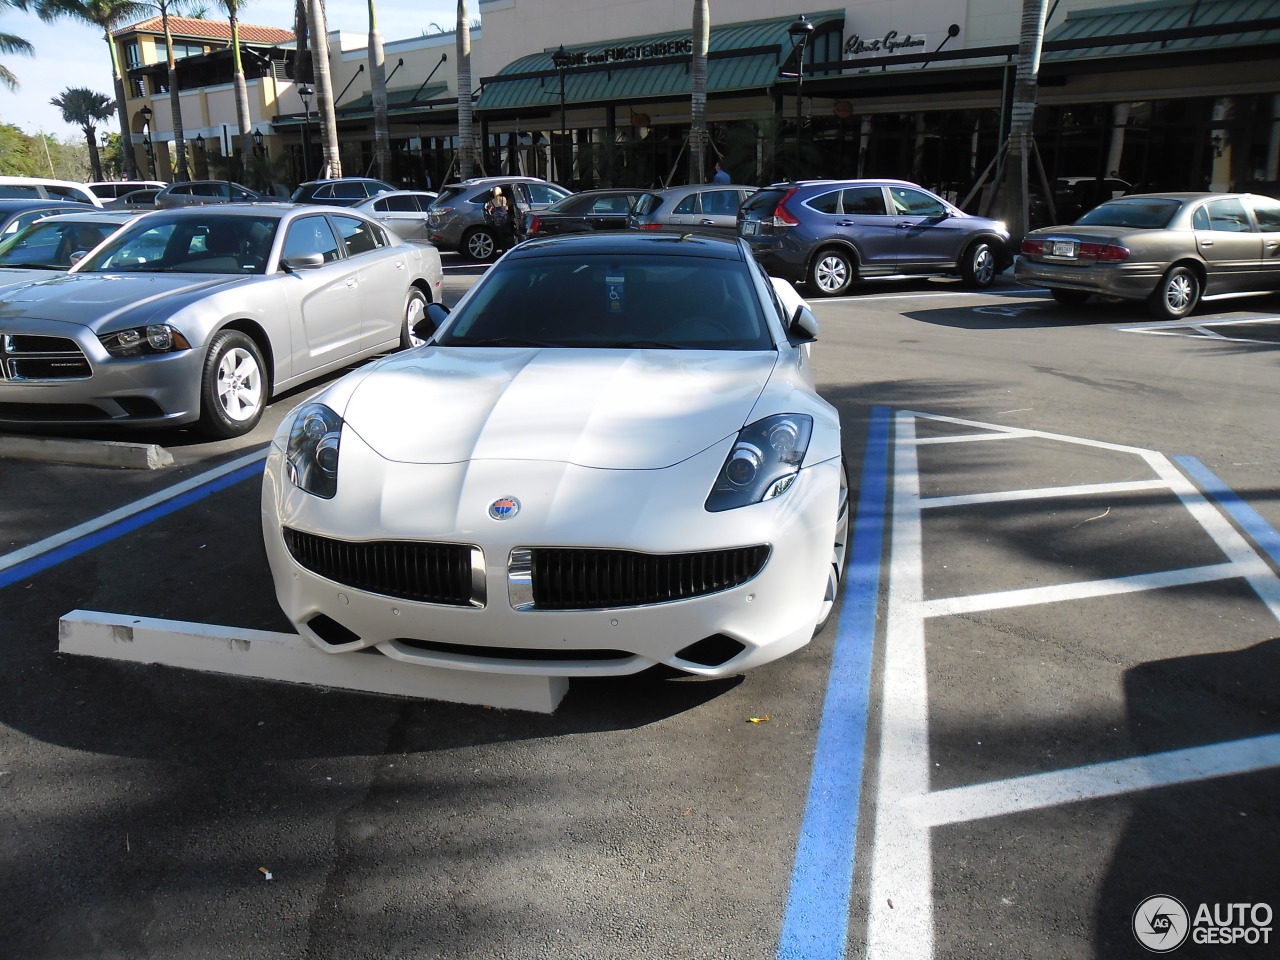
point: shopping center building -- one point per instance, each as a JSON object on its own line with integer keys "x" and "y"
{"x": 1162, "y": 94}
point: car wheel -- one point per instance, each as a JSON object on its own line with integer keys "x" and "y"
{"x": 1176, "y": 295}
{"x": 233, "y": 386}
{"x": 831, "y": 273}
{"x": 415, "y": 309}
{"x": 1069, "y": 298}
{"x": 480, "y": 244}
{"x": 839, "y": 553}
{"x": 978, "y": 268}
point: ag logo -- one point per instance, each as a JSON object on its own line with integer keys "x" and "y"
{"x": 1161, "y": 924}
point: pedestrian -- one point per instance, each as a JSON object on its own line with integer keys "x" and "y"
{"x": 499, "y": 213}
{"x": 721, "y": 175}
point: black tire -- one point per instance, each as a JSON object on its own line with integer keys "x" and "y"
{"x": 831, "y": 273}
{"x": 1176, "y": 295}
{"x": 839, "y": 552}
{"x": 1070, "y": 298}
{"x": 978, "y": 266}
{"x": 480, "y": 244}
{"x": 415, "y": 309}
{"x": 234, "y": 386}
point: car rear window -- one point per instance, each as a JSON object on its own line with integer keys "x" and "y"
{"x": 761, "y": 204}
{"x": 1141, "y": 214}
{"x": 448, "y": 194}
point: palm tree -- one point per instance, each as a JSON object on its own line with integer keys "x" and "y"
{"x": 105, "y": 15}
{"x": 324, "y": 88}
{"x": 86, "y": 108}
{"x": 378, "y": 89}
{"x": 169, "y": 8}
{"x": 466, "y": 132}
{"x": 698, "y": 104}
{"x": 232, "y": 9}
{"x": 9, "y": 43}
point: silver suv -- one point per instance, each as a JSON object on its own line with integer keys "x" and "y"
{"x": 456, "y": 221}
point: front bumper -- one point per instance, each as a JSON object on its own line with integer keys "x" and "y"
{"x": 647, "y": 511}
{"x": 54, "y": 372}
{"x": 1128, "y": 281}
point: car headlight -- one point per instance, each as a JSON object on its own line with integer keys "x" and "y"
{"x": 139, "y": 341}
{"x": 312, "y": 453}
{"x": 764, "y": 462}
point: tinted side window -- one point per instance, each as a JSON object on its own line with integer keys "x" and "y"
{"x": 721, "y": 201}
{"x": 311, "y": 235}
{"x": 864, "y": 201}
{"x": 827, "y": 203}
{"x": 688, "y": 205}
{"x": 396, "y": 203}
{"x": 544, "y": 193}
{"x": 907, "y": 202}
{"x": 348, "y": 191}
{"x": 360, "y": 237}
{"x": 1228, "y": 216}
{"x": 1200, "y": 219}
{"x": 1268, "y": 213}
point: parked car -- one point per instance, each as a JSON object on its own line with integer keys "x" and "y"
{"x": 136, "y": 200}
{"x": 456, "y": 220}
{"x": 1167, "y": 249}
{"x": 1073, "y": 196}
{"x": 605, "y": 209}
{"x": 199, "y": 316}
{"x": 340, "y": 192}
{"x": 54, "y": 244}
{"x": 107, "y": 190}
{"x": 829, "y": 234}
{"x": 191, "y": 193}
{"x": 403, "y": 212}
{"x": 43, "y": 188}
{"x": 17, "y": 215}
{"x": 628, "y": 464}
{"x": 706, "y": 208}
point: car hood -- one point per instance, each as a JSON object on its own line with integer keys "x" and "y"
{"x": 616, "y": 409}
{"x": 13, "y": 276}
{"x": 97, "y": 299}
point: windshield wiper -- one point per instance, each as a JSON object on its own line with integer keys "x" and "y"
{"x": 640, "y": 345}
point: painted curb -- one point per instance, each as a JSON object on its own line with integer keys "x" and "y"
{"x": 101, "y": 453}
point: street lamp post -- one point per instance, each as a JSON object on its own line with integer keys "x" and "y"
{"x": 145, "y": 113}
{"x": 561, "y": 59}
{"x": 800, "y": 31}
{"x": 305, "y": 93}
{"x": 102, "y": 157}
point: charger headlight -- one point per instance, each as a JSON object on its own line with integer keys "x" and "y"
{"x": 312, "y": 452}
{"x": 763, "y": 463}
{"x": 142, "y": 341}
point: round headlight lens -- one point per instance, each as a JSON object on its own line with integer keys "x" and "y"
{"x": 744, "y": 463}
{"x": 327, "y": 453}
{"x": 160, "y": 337}
{"x": 783, "y": 437}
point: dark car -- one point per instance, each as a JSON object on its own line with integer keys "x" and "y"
{"x": 193, "y": 193}
{"x": 341, "y": 192}
{"x": 829, "y": 234}
{"x": 1167, "y": 249}
{"x": 702, "y": 208}
{"x": 17, "y": 214}
{"x": 584, "y": 212}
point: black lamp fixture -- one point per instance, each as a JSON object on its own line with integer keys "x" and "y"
{"x": 257, "y": 138}
{"x": 561, "y": 60}
{"x": 199, "y": 141}
{"x": 800, "y": 30}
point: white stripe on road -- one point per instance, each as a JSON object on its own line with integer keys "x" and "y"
{"x": 1044, "y": 493}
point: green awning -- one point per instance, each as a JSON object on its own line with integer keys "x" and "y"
{"x": 399, "y": 100}
{"x": 1101, "y": 23}
{"x": 740, "y": 57}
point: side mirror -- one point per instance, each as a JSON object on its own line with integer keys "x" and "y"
{"x": 308, "y": 261}
{"x": 804, "y": 326}
{"x": 436, "y": 313}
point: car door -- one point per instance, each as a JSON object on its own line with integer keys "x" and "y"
{"x": 860, "y": 215}
{"x": 1228, "y": 244}
{"x": 719, "y": 211}
{"x": 384, "y": 279}
{"x": 325, "y": 301}
{"x": 402, "y": 216}
{"x": 1266, "y": 214}
{"x": 930, "y": 237}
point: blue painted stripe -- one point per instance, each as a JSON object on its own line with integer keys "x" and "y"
{"x": 817, "y": 919}
{"x": 56, "y": 556}
{"x": 1262, "y": 533}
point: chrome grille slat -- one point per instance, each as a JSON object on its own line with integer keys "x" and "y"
{"x": 26, "y": 356}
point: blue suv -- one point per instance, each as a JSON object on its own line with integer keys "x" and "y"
{"x": 829, "y": 234}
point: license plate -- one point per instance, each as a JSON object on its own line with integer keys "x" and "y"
{"x": 749, "y": 228}
{"x": 1063, "y": 248}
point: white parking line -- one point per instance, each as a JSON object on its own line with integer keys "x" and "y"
{"x": 900, "y": 909}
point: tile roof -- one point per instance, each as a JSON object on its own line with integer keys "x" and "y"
{"x": 190, "y": 27}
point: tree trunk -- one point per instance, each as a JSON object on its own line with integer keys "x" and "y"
{"x": 128, "y": 161}
{"x": 324, "y": 90}
{"x": 242, "y": 96}
{"x": 378, "y": 88}
{"x": 1013, "y": 190}
{"x": 175, "y": 104}
{"x": 95, "y": 162}
{"x": 466, "y": 132}
{"x": 698, "y": 101}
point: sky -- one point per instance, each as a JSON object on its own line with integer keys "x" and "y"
{"x": 69, "y": 54}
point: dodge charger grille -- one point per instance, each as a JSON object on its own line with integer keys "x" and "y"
{"x": 446, "y": 573}
{"x": 575, "y": 578}
{"x": 25, "y": 356}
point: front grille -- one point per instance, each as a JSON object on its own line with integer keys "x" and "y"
{"x": 424, "y": 572}
{"x": 578, "y": 579}
{"x": 479, "y": 652}
{"x": 26, "y": 356}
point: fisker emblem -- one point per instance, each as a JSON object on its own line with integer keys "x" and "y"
{"x": 504, "y": 508}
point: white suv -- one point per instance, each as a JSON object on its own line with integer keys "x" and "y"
{"x": 41, "y": 188}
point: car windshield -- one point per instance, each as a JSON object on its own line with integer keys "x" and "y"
{"x": 49, "y": 245}
{"x": 625, "y": 302}
{"x": 1141, "y": 214}
{"x": 212, "y": 243}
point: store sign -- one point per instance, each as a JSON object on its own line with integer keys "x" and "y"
{"x": 891, "y": 42}
{"x": 682, "y": 47}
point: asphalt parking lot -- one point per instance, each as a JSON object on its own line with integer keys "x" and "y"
{"x": 1050, "y": 695}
